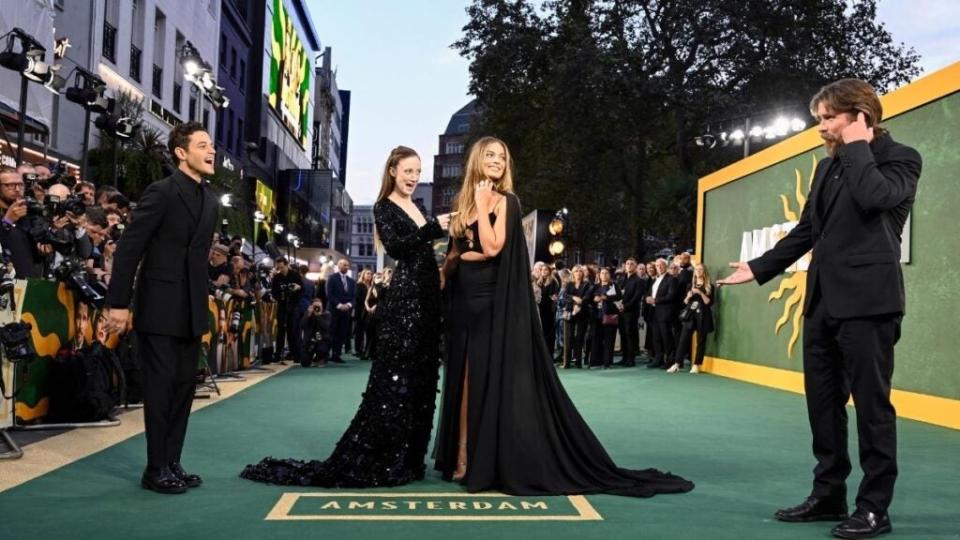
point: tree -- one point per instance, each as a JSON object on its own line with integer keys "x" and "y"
{"x": 600, "y": 99}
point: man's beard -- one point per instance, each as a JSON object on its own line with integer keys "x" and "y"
{"x": 831, "y": 144}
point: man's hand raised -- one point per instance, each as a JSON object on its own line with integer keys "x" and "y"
{"x": 857, "y": 130}
{"x": 743, "y": 274}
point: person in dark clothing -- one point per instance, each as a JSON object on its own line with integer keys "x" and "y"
{"x": 13, "y": 231}
{"x": 700, "y": 298}
{"x": 632, "y": 290}
{"x": 170, "y": 234}
{"x": 360, "y": 318}
{"x": 341, "y": 293}
{"x": 549, "y": 289}
{"x": 606, "y": 296}
{"x": 286, "y": 289}
{"x": 853, "y": 221}
{"x": 662, "y": 298}
{"x": 315, "y": 327}
{"x": 578, "y": 297}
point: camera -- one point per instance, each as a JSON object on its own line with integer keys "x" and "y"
{"x": 55, "y": 207}
{"x": 73, "y": 274}
{"x": 235, "y": 323}
{"x": 16, "y": 341}
{"x": 59, "y": 175}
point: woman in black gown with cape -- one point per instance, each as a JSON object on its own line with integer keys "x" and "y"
{"x": 387, "y": 440}
{"x": 524, "y": 436}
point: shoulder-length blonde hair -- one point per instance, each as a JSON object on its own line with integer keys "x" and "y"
{"x": 464, "y": 203}
{"x": 707, "y": 284}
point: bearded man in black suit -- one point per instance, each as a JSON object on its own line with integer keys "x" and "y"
{"x": 853, "y": 221}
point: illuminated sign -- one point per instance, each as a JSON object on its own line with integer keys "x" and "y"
{"x": 290, "y": 72}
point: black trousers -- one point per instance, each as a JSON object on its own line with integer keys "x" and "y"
{"x": 169, "y": 367}
{"x": 648, "y": 336}
{"x": 604, "y": 339}
{"x": 629, "y": 336}
{"x": 578, "y": 329}
{"x": 843, "y": 357}
{"x": 370, "y": 329}
{"x": 663, "y": 341}
{"x": 360, "y": 334}
{"x": 683, "y": 345}
{"x": 340, "y": 331}
{"x": 288, "y": 332}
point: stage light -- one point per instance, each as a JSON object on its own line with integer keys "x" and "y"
{"x": 259, "y": 217}
{"x": 323, "y": 259}
{"x": 290, "y": 237}
{"x": 770, "y": 132}
{"x": 756, "y": 131}
{"x": 226, "y": 200}
{"x": 737, "y": 135}
{"x": 797, "y": 124}
{"x": 278, "y": 228}
{"x": 556, "y": 248}
{"x": 556, "y": 226}
{"x": 781, "y": 126}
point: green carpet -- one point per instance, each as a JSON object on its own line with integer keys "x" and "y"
{"x": 746, "y": 447}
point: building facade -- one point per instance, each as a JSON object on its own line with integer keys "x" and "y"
{"x": 363, "y": 253}
{"x": 449, "y": 162}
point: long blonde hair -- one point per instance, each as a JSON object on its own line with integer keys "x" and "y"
{"x": 464, "y": 202}
{"x": 707, "y": 285}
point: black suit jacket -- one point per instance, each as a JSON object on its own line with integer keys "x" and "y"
{"x": 633, "y": 289}
{"x": 854, "y": 229}
{"x": 173, "y": 243}
{"x": 665, "y": 309}
{"x": 336, "y": 293}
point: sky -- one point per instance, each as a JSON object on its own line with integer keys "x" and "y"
{"x": 395, "y": 58}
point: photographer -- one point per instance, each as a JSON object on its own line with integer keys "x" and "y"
{"x": 61, "y": 227}
{"x": 219, "y": 269}
{"x": 86, "y": 191}
{"x": 13, "y": 231}
{"x": 286, "y": 288}
{"x": 315, "y": 327}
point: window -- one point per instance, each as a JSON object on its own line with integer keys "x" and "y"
{"x": 233, "y": 63}
{"x": 454, "y": 148}
{"x": 135, "y": 55}
{"x": 206, "y": 119}
{"x": 109, "y": 42}
{"x": 192, "y": 110}
{"x": 450, "y": 171}
{"x": 230, "y": 129}
{"x": 243, "y": 75}
{"x": 239, "y": 134}
{"x": 219, "y": 126}
{"x": 157, "y": 81}
{"x": 223, "y": 50}
{"x": 177, "y": 93}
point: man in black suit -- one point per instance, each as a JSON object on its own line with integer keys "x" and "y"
{"x": 663, "y": 295}
{"x": 853, "y": 221}
{"x": 632, "y": 297}
{"x": 169, "y": 238}
{"x": 287, "y": 288}
{"x": 341, "y": 291}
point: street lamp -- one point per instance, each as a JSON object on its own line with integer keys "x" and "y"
{"x": 87, "y": 91}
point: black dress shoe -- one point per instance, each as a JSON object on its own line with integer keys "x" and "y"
{"x": 654, "y": 365}
{"x": 337, "y": 360}
{"x": 813, "y": 509}
{"x": 163, "y": 481}
{"x": 863, "y": 524}
{"x": 191, "y": 480}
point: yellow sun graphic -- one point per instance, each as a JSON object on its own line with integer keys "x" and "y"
{"x": 797, "y": 281}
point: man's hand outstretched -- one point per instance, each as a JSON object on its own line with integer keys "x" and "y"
{"x": 743, "y": 274}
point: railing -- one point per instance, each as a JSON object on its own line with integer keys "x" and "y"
{"x": 109, "y": 42}
{"x": 135, "y": 56}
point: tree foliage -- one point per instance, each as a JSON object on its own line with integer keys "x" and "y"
{"x": 599, "y": 100}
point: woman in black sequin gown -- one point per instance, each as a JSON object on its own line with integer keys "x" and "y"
{"x": 387, "y": 440}
{"x": 507, "y": 424}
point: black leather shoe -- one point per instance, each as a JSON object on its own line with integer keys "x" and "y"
{"x": 863, "y": 524}
{"x": 813, "y": 509}
{"x": 163, "y": 481}
{"x": 191, "y": 480}
{"x": 337, "y": 360}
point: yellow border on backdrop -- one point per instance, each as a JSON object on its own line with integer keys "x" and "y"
{"x": 922, "y": 407}
{"x": 925, "y": 408}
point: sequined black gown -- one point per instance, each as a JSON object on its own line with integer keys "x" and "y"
{"x": 387, "y": 440}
